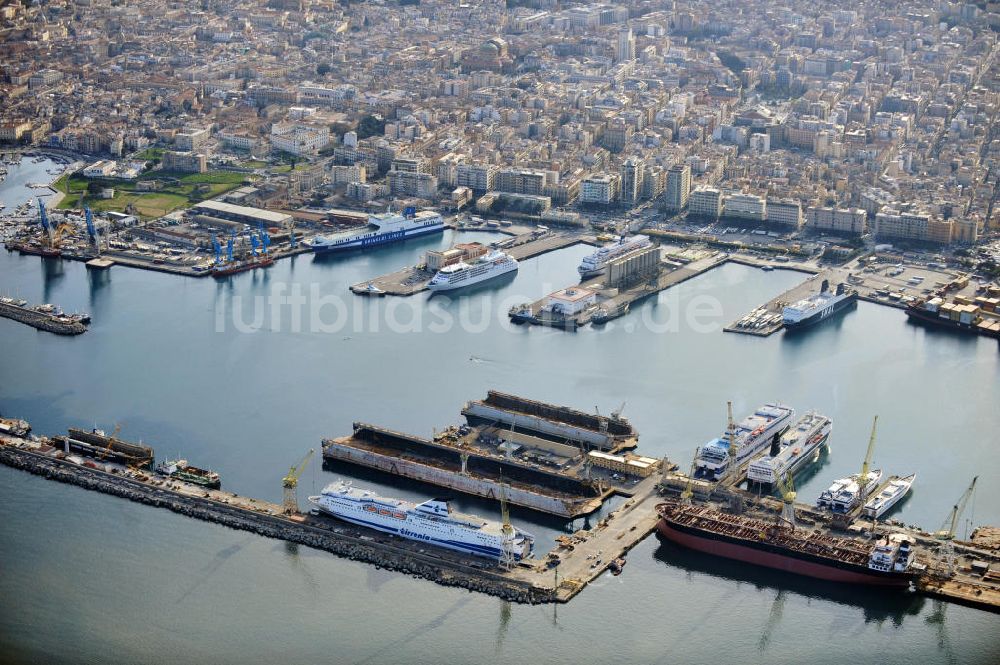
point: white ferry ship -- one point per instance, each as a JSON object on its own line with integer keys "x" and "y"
{"x": 480, "y": 269}
{"x": 750, "y": 435}
{"x": 433, "y": 522}
{"x": 389, "y": 227}
{"x": 818, "y": 307}
{"x": 595, "y": 264}
{"x": 792, "y": 451}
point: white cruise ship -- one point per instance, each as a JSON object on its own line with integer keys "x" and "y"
{"x": 433, "y": 521}
{"x": 389, "y": 227}
{"x": 480, "y": 269}
{"x": 751, "y": 435}
{"x": 792, "y": 451}
{"x": 595, "y": 264}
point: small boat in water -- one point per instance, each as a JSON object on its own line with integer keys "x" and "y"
{"x": 891, "y": 494}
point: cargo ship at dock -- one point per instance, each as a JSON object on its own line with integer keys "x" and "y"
{"x": 227, "y": 269}
{"x": 387, "y": 228}
{"x": 433, "y": 522}
{"x": 886, "y": 562}
{"x": 979, "y": 317}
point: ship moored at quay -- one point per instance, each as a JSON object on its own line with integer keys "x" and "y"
{"x": 887, "y": 562}
{"x": 387, "y": 228}
{"x": 886, "y": 559}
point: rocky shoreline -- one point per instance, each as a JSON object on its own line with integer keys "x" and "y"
{"x": 422, "y": 566}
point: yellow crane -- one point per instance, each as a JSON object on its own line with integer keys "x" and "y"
{"x": 731, "y": 437}
{"x": 786, "y": 487}
{"x": 290, "y": 484}
{"x": 689, "y": 486}
{"x": 863, "y": 478}
{"x": 947, "y": 558}
{"x": 947, "y": 531}
{"x": 111, "y": 442}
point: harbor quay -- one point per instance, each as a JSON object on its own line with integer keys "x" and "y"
{"x": 559, "y": 576}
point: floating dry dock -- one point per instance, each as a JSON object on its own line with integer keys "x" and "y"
{"x": 550, "y": 458}
{"x": 462, "y": 467}
{"x": 558, "y": 423}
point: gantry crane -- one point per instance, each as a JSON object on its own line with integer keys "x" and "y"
{"x": 290, "y": 484}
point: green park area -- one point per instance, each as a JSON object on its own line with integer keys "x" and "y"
{"x": 175, "y": 191}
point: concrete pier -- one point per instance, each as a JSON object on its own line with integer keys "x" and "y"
{"x": 619, "y": 303}
{"x": 414, "y": 279}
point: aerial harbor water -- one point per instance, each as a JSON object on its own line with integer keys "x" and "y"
{"x": 182, "y": 364}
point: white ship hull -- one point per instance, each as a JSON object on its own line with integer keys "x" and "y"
{"x": 798, "y": 447}
{"x": 753, "y": 435}
{"x": 595, "y": 264}
{"x": 843, "y": 493}
{"x": 490, "y": 267}
{"x": 897, "y": 489}
{"x": 390, "y": 229}
{"x": 431, "y": 522}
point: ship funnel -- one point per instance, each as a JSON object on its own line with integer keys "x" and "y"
{"x": 840, "y": 289}
{"x": 775, "y": 444}
{"x": 826, "y": 286}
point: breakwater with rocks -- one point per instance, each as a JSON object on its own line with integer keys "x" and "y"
{"x": 391, "y": 557}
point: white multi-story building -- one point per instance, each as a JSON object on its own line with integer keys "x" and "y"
{"x": 189, "y": 140}
{"x": 784, "y": 212}
{"x": 479, "y": 178}
{"x": 850, "y": 220}
{"x": 341, "y": 175}
{"x": 410, "y": 183}
{"x": 239, "y": 141}
{"x": 601, "y": 189}
{"x": 705, "y": 202}
{"x": 745, "y": 206}
{"x": 632, "y": 173}
{"x": 299, "y": 138}
{"x": 626, "y": 46}
{"x": 678, "y": 188}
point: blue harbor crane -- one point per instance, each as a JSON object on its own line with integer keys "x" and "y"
{"x": 217, "y": 248}
{"x": 229, "y": 247}
{"x": 253, "y": 243}
{"x": 91, "y": 229}
{"x": 265, "y": 239}
{"x": 43, "y": 217}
